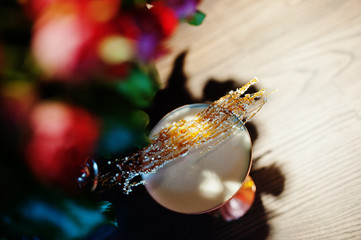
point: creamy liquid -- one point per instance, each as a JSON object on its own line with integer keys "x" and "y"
{"x": 203, "y": 179}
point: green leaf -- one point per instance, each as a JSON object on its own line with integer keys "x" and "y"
{"x": 140, "y": 86}
{"x": 197, "y": 18}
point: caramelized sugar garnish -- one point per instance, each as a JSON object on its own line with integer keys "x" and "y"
{"x": 223, "y": 116}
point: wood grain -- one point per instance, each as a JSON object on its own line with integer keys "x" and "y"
{"x": 310, "y": 51}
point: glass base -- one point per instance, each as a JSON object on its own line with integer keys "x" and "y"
{"x": 241, "y": 202}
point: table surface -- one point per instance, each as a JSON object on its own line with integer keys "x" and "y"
{"x": 307, "y": 138}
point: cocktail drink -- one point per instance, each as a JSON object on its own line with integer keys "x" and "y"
{"x": 208, "y": 176}
{"x": 198, "y": 159}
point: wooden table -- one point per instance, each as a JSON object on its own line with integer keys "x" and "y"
{"x": 307, "y": 139}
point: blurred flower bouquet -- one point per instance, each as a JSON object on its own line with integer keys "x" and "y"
{"x": 74, "y": 78}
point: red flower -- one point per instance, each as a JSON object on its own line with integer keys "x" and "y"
{"x": 165, "y": 17}
{"x": 62, "y": 138}
{"x": 156, "y": 24}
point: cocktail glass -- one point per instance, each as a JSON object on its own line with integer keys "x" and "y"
{"x": 212, "y": 177}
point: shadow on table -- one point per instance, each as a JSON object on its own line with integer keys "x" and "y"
{"x": 140, "y": 217}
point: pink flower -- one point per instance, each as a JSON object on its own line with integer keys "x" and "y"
{"x": 59, "y": 46}
{"x": 67, "y": 34}
{"x": 62, "y": 138}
